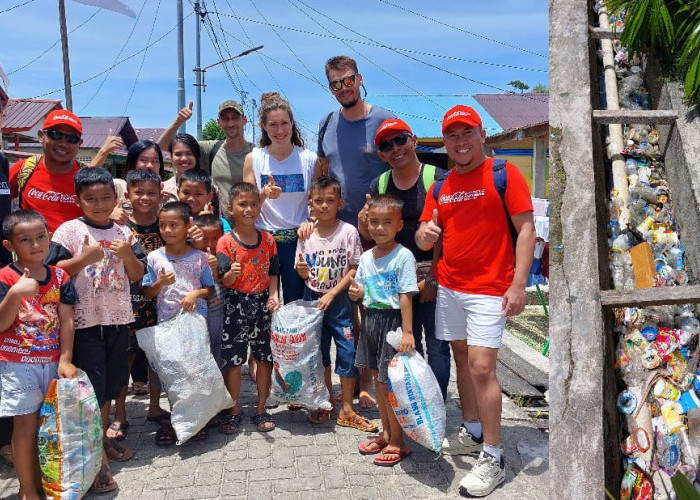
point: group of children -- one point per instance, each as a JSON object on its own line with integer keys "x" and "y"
{"x": 174, "y": 257}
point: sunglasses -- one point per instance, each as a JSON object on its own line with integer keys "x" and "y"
{"x": 348, "y": 81}
{"x": 56, "y": 135}
{"x": 399, "y": 140}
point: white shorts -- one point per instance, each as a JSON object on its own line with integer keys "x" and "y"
{"x": 478, "y": 319}
{"x": 23, "y": 386}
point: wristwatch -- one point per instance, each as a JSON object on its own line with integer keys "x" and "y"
{"x": 431, "y": 282}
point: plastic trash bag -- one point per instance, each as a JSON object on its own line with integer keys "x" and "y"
{"x": 178, "y": 351}
{"x": 70, "y": 438}
{"x": 297, "y": 371}
{"x": 415, "y": 396}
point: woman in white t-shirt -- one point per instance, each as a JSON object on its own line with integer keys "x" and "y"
{"x": 283, "y": 171}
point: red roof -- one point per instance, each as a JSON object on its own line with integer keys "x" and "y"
{"x": 513, "y": 110}
{"x": 22, "y": 115}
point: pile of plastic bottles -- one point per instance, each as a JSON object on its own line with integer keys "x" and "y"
{"x": 656, "y": 357}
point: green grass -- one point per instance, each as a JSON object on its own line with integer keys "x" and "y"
{"x": 532, "y": 327}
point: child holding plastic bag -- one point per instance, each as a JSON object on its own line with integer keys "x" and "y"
{"x": 386, "y": 282}
{"x": 179, "y": 277}
{"x": 36, "y": 337}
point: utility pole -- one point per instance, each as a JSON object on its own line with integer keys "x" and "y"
{"x": 198, "y": 19}
{"x": 180, "y": 64}
{"x": 66, "y": 62}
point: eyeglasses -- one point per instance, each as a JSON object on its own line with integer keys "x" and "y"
{"x": 348, "y": 81}
{"x": 57, "y": 135}
{"x": 399, "y": 140}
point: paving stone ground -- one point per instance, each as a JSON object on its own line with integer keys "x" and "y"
{"x": 303, "y": 461}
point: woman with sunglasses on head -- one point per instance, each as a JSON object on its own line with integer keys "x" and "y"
{"x": 409, "y": 180}
{"x": 283, "y": 171}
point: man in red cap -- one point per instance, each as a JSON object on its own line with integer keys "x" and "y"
{"x": 45, "y": 183}
{"x": 409, "y": 180}
{"x": 480, "y": 282}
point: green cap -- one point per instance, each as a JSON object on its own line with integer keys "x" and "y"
{"x": 236, "y": 106}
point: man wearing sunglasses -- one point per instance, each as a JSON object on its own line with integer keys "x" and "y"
{"x": 47, "y": 185}
{"x": 409, "y": 180}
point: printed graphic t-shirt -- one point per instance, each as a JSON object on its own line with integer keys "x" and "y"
{"x": 329, "y": 259}
{"x": 258, "y": 262}
{"x": 385, "y": 278}
{"x": 34, "y": 335}
{"x": 145, "y": 313}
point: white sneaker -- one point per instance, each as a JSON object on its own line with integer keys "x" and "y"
{"x": 485, "y": 476}
{"x": 461, "y": 443}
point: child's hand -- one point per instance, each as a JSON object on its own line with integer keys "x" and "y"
{"x": 236, "y": 268}
{"x": 66, "y": 370}
{"x": 196, "y": 234}
{"x": 26, "y": 286}
{"x": 325, "y": 301}
{"x": 190, "y": 301}
{"x": 119, "y": 216}
{"x": 272, "y": 190}
{"x": 121, "y": 248}
{"x": 355, "y": 291}
{"x": 306, "y": 229}
{"x": 165, "y": 279}
{"x": 363, "y": 215}
{"x": 302, "y": 267}
{"x": 408, "y": 343}
{"x": 91, "y": 253}
{"x": 273, "y": 303}
{"x": 211, "y": 260}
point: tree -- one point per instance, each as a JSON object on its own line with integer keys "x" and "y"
{"x": 517, "y": 84}
{"x": 540, "y": 88}
{"x": 212, "y": 131}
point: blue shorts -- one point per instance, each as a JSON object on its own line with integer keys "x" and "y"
{"x": 337, "y": 325}
{"x": 23, "y": 386}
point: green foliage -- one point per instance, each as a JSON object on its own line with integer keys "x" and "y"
{"x": 683, "y": 487}
{"x": 540, "y": 88}
{"x": 212, "y": 132}
{"x": 517, "y": 84}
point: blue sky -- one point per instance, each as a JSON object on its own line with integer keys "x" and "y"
{"x": 453, "y": 48}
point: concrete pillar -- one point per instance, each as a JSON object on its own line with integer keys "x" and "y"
{"x": 539, "y": 168}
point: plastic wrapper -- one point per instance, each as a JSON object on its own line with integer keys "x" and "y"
{"x": 178, "y": 351}
{"x": 70, "y": 438}
{"x": 415, "y": 396}
{"x": 297, "y": 371}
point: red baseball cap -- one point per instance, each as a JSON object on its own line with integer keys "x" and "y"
{"x": 461, "y": 114}
{"x": 63, "y": 117}
{"x": 390, "y": 125}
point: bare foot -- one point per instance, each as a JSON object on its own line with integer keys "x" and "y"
{"x": 367, "y": 400}
{"x": 6, "y": 455}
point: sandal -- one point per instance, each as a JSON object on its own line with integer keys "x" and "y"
{"x": 321, "y": 416}
{"x": 160, "y": 419}
{"x": 200, "y": 436}
{"x": 263, "y": 422}
{"x": 103, "y": 482}
{"x": 116, "y": 451}
{"x": 391, "y": 457}
{"x": 357, "y": 421}
{"x": 230, "y": 423}
{"x": 6, "y": 457}
{"x": 379, "y": 442}
{"x": 165, "y": 436}
{"x": 119, "y": 430}
{"x": 139, "y": 389}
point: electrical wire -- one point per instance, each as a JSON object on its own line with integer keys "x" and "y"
{"x": 143, "y": 60}
{"x": 15, "y": 6}
{"x": 126, "y": 41}
{"x": 54, "y": 44}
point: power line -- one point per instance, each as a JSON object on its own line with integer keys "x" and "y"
{"x": 115, "y": 64}
{"x": 16, "y": 6}
{"x": 126, "y": 41}
{"x": 55, "y": 43}
{"x": 463, "y": 30}
{"x": 143, "y": 60}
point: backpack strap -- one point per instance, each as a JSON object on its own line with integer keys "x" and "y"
{"x": 383, "y": 182}
{"x": 500, "y": 182}
{"x": 438, "y": 185}
{"x": 322, "y": 130}
{"x": 213, "y": 152}
{"x": 428, "y": 176}
{"x": 25, "y": 172}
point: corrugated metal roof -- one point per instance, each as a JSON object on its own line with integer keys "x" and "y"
{"x": 424, "y": 114}
{"x": 149, "y": 134}
{"x": 96, "y": 129}
{"x": 515, "y": 110}
{"x": 21, "y": 115}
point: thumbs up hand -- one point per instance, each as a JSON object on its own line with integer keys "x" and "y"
{"x": 302, "y": 267}
{"x": 166, "y": 279}
{"x": 185, "y": 113}
{"x": 26, "y": 286}
{"x": 236, "y": 268}
{"x": 355, "y": 290}
{"x": 431, "y": 230}
{"x": 271, "y": 189}
{"x": 91, "y": 253}
{"x": 363, "y": 216}
{"x": 122, "y": 248}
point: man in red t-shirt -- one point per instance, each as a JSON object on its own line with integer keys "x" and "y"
{"x": 50, "y": 189}
{"x": 480, "y": 284}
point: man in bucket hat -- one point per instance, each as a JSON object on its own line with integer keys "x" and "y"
{"x": 480, "y": 283}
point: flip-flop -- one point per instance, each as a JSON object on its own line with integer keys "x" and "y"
{"x": 116, "y": 451}
{"x": 119, "y": 430}
{"x": 165, "y": 436}
{"x": 139, "y": 389}
{"x": 396, "y": 457}
{"x": 357, "y": 421}
{"x": 105, "y": 479}
{"x": 364, "y": 403}
{"x": 321, "y": 416}
{"x": 160, "y": 419}
{"x": 363, "y": 448}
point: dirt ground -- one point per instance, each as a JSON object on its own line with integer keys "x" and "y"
{"x": 532, "y": 327}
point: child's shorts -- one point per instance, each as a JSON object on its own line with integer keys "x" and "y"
{"x": 23, "y": 386}
{"x": 101, "y": 352}
{"x": 247, "y": 322}
{"x": 373, "y": 351}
